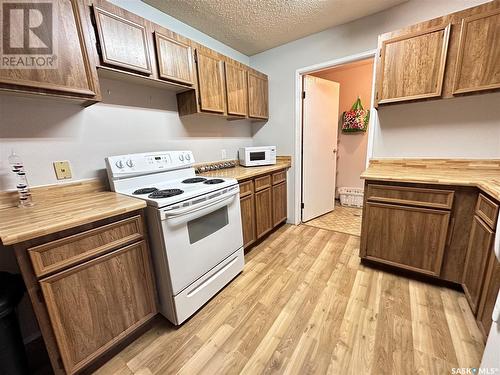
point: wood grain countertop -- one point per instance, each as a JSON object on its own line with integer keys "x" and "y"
{"x": 244, "y": 173}
{"x": 483, "y": 174}
{"x": 60, "y": 207}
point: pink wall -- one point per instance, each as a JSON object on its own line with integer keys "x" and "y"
{"x": 355, "y": 79}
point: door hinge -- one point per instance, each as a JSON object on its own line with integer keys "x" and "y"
{"x": 379, "y": 53}
{"x": 195, "y": 56}
{"x": 302, "y": 205}
{"x": 39, "y": 295}
{"x": 303, "y": 94}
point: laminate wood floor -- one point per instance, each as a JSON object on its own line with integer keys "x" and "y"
{"x": 305, "y": 305}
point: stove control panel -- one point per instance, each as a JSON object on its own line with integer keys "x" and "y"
{"x": 146, "y": 163}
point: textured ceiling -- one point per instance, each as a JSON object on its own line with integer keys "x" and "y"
{"x": 253, "y": 26}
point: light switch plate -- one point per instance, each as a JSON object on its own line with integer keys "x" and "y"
{"x": 62, "y": 169}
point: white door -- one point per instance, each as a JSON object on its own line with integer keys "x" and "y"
{"x": 319, "y": 146}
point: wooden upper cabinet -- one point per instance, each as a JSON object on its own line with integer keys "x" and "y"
{"x": 210, "y": 82}
{"x": 65, "y": 68}
{"x": 412, "y": 65}
{"x": 478, "y": 59}
{"x": 258, "y": 97}
{"x": 175, "y": 59}
{"x": 236, "y": 90}
{"x": 122, "y": 42}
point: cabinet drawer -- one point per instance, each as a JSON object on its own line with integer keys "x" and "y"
{"x": 68, "y": 251}
{"x": 421, "y": 197}
{"x": 487, "y": 210}
{"x": 279, "y": 177}
{"x": 246, "y": 188}
{"x": 262, "y": 182}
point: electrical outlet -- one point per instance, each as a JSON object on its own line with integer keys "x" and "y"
{"x": 223, "y": 154}
{"x": 62, "y": 169}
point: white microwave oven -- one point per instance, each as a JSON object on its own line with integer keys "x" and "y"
{"x": 255, "y": 156}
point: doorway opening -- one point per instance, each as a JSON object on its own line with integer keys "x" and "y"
{"x": 334, "y": 151}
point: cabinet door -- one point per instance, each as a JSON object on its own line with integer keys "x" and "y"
{"x": 406, "y": 237}
{"x": 62, "y": 66}
{"x": 263, "y": 212}
{"x": 477, "y": 66}
{"x": 412, "y": 65}
{"x": 248, "y": 219}
{"x": 210, "y": 83}
{"x": 236, "y": 90}
{"x": 123, "y": 43}
{"x": 489, "y": 294}
{"x": 480, "y": 245}
{"x": 175, "y": 59}
{"x": 279, "y": 203}
{"x": 94, "y": 305}
{"x": 258, "y": 97}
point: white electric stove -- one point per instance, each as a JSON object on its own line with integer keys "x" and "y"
{"x": 194, "y": 225}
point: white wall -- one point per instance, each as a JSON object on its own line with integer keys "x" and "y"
{"x": 147, "y": 11}
{"x": 131, "y": 118}
{"x": 281, "y": 63}
{"x": 464, "y": 127}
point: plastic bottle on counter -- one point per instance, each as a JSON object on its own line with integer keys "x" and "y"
{"x": 17, "y": 167}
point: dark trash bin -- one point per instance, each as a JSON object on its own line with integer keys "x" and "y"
{"x": 13, "y": 360}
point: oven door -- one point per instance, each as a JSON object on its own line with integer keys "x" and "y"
{"x": 200, "y": 236}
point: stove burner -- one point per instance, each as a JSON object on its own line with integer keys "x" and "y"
{"x": 167, "y": 193}
{"x": 145, "y": 190}
{"x": 214, "y": 181}
{"x": 194, "y": 180}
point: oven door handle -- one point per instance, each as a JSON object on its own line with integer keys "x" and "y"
{"x": 200, "y": 209}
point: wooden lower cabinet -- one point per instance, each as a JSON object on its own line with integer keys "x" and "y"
{"x": 279, "y": 203}
{"x": 93, "y": 305}
{"x": 263, "y": 212}
{"x": 480, "y": 247}
{"x": 263, "y": 202}
{"x": 412, "y": 238}
{"x": 489, "y": 294}
{"x": 91, "y": 287}
{"x": 446, "y": 232}
{"x": 247, "y": 205}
